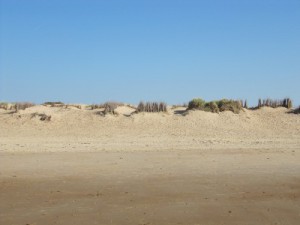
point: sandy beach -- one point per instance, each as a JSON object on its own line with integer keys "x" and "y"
{"x": 160, "y": 168}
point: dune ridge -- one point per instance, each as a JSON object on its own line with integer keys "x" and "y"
{"x": 74, "y": 129}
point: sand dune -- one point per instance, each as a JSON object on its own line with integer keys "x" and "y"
{"x": 73, "y": 129}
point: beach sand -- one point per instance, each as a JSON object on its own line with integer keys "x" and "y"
{"x": 199, "y": 168}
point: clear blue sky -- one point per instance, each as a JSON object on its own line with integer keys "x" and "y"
{"x": 173, "y": 50}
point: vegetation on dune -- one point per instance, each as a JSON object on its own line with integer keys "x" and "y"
{"x": 53, "y": 104}
{"x": 109, "y": 108}
{"x": 22, "y": 106}
{"x": 196, "y": 103}
{"x": 152, "y": 107}
{"x": 16, "y": 106}
{"x": 216, "y": 106}
{"x": 107, "y": 105}
{"x": 286, "y": 102}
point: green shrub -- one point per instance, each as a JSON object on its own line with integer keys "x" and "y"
{"x": 214, "y": 107}
{"x": 229, "y": 105}
{"x": 196, "y": 103}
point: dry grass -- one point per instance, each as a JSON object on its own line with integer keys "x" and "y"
{"x": 152, "y": 107}
{"x": 286, "y": 102}
{"x": 22, "y": 106}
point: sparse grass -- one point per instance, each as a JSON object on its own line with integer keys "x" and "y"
{"x": 22, "y": 106}
{"x": 96, "y": 106}
{"x": 216, "y": 106}
{"x": 152, "y": 107}
{"x": 286, "y": 102}
{"x": 107, "y": 105}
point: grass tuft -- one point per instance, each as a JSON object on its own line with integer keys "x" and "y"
{"x": 152, "y": 107}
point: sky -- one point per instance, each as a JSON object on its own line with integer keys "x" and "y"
{"x": 92, "y": 51}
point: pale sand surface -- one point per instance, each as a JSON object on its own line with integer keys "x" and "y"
{"x": 202, "y": 168}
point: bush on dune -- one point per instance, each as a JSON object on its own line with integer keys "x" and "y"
{"x": 216, "y": 106}
{"x": 229, "y": 105}
{"x": 196, "y": 103}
